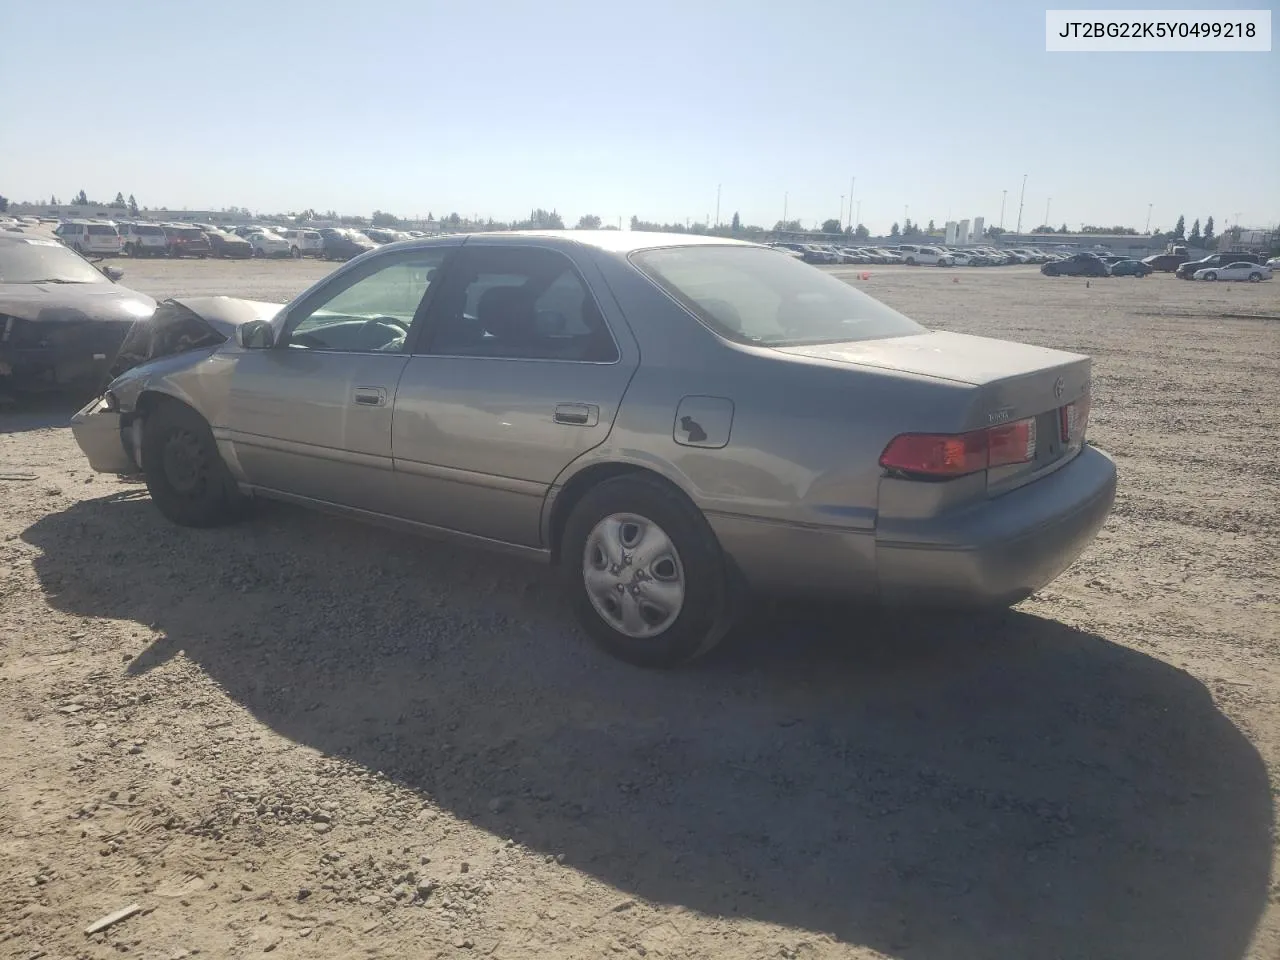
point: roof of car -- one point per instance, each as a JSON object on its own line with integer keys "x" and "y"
{"x": 610, "y": 241}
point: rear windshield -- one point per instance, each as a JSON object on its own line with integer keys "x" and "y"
{"x": 148, "y": 231}
{"x": 102, "y": 229}
{"x": 190, "y": 232}
{"x": 751, "y": 295}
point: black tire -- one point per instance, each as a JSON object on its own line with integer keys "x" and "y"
{"x": 911, "y": 261}
{"x": 295, "y": 253}
{"x": 705, "y": 613}
{"x": 185, "y": 475}
{"x": 1255, "y": 278}
{"x": 1211, "y": 276}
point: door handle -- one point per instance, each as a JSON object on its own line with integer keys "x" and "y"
{"x": 577, "y": 414}
{"x": 371, "y": 396}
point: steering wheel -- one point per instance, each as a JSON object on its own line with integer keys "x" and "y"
{"x": 388, "y": 322}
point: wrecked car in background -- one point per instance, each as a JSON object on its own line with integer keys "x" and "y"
{"x": 62, "y": 319}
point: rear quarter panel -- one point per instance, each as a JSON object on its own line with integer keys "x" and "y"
{"x": 806, "y": 434}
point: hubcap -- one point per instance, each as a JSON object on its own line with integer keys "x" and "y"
{"x": 633, "y": 575}
{"x": 184, "y": 465}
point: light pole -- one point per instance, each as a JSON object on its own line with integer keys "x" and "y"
{"x": 858, "y": 221}
{"x": 717, "y": 204}
{"x": 1046, "y": 210}
{"x": 1003, "y": 194}
{"x": 1147, "y": 229}
{"x": 1021, "y": 197}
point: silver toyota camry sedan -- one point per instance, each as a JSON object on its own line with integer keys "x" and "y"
{"x": 676, "y": 421}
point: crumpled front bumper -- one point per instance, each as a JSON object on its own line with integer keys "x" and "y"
{"x": 108, "y": 440}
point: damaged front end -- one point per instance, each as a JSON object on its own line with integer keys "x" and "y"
{"x": 111, "y": 436}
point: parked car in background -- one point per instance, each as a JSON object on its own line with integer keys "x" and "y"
{"x": 1165, "y": 262}
{"x": 144, "y": 240}
{"x": 1240, "y": 270}
{"x": 186, "y": 241}
{"x": 783, "y": 248}
{"x": 228, "y": 245}
{"x": 7, "y": 223}
{"x": 490, "y": 368}
{"x": 61, "y": 318}
{"x": 965, "y": 258}
{"x": 86, "y": 237}
{"x": 1130, "y": 268}
{"x": 304, "y": 243}
{"x": 1076, "y": 265}
{"x": 381, "y": 235}
{"x": 890, "y": 256}
{"x": 1274, "y": 263}
{"x": 923, "y": 255}
{"x": 1188, "y": 270}
{"x": 267, "y": 244}
{"x": 343, "y": 244}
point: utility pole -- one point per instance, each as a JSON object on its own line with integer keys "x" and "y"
{"x": 1021, "y": 197}
{"x": 717, "y": 204}
{"x": 1147, "y": 229}
{"x": 1003, "y": 194}
{"x": 1046, "y": 210}
{"x": 858, "y": 222}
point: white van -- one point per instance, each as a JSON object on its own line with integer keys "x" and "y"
{"x": 303, "y": 243}
{"x": 84, "y": 236}
{"x": 929, "y": 256}
{"x": 144, "y": 240}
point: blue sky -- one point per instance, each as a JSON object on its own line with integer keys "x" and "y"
{"x": 620, "y": 108}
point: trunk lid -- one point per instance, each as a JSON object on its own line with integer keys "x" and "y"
{"x": 1014, "y": 381}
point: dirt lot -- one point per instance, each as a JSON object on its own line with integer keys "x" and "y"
{"x": 305, "y": 737}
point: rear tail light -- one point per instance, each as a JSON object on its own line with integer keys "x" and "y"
{"x": 1074, "y": 420}
{"x": 946, "y": 455}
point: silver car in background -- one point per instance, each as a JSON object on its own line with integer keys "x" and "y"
{"x": 675, "y": 420}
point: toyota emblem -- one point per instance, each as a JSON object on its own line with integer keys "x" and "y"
{"x": 1058, "y": 386}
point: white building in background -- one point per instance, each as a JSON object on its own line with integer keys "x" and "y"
{"x": 962, "y": 232}
{"x": 979, "y": 225}
{"x": 950, "y": 233}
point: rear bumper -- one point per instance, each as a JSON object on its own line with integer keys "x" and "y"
{"x": 103, "y": 438}
{"x": 995, "y": 554}
{"x": 1004, "y": 550}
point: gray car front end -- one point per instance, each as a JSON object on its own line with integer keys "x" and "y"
{"x": 822, "y": 469}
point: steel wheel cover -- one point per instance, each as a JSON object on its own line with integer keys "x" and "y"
{"x": 633, "y": 575}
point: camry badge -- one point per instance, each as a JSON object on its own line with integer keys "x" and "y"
{"x": 1058, "y": 387}
{"x": 1000, "y": 416}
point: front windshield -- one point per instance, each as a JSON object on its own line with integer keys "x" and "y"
{"x": 748, "y": 295}
{"x": 34, "y": 261}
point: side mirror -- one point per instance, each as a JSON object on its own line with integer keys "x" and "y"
{"x": 113, "y": 273}
{"x": 255, "y": 335}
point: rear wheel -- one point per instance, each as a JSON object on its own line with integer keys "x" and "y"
{"x": 911, "y": 261}
{"x": 185, "y": 474}
{"x": 295, "y": 253}
{"x": 1255, "y": 278}
{"x": 646, "y": 574}
{"x": 1211, "y": 276}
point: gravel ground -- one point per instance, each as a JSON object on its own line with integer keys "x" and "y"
{"x": 310, "y": 738}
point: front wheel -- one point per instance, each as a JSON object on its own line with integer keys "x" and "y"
{"x": 1255, "y": 278}
{"x": 648, "y": 580}
{"x": 1211, "y": 276}
{"x": 185, "y": 475}
{"x": 911, "y": 261}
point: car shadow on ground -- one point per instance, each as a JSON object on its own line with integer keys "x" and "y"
{"x": 933, "y": 787}
{"x": 39, "y": 411}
